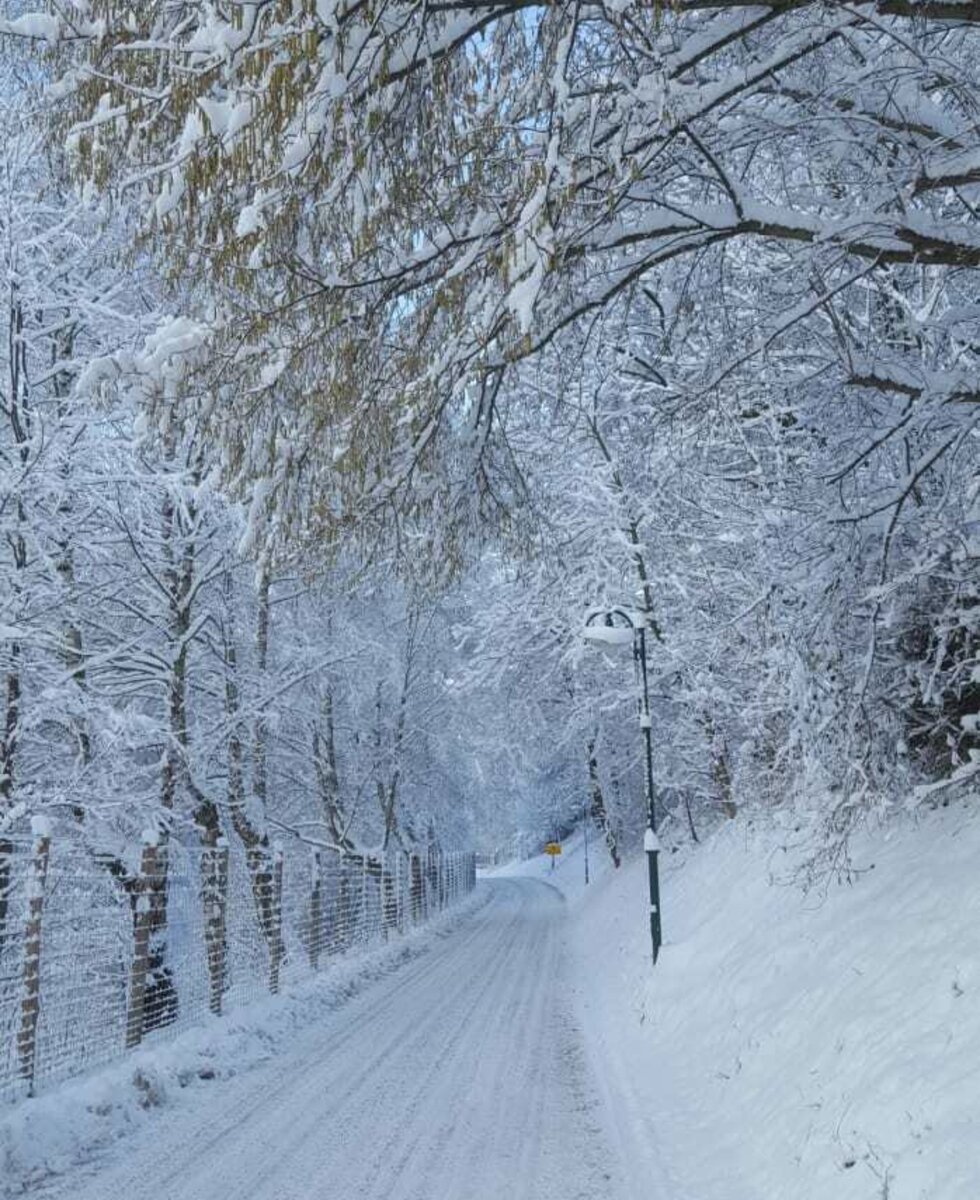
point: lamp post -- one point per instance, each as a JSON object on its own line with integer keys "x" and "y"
{"x": 637, "y": 624}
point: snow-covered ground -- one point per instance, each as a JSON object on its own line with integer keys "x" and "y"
{"x": 819, "y": 1045}
{"x": 459, "y": 1076}
{"x": 824, "y": 1046}
{"x": 86, "y": 1123}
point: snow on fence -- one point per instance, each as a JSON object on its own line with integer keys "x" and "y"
{"x": 98, "y": 956}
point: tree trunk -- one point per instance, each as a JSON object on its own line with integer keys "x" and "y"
{"x": 214, "y": 895}
{"x": 261, "y": 872}
{"x": 597, "y": 808}
{"x": 389, "y": 897}
{"x": 690, "y": 818}
{"x": 8, "y": 754}
{"x": 30, "y": 1007}
{"x": 161, "y": 1000}
{"x": 327, "y": 775}
{"x": 417, "y": 889}
{"x": 235, "y": 755}
{"x": 19, "y": 413}
{"x": 720, "y": 772}
{"x": 6, "y": 883}
{"x": 258, "y": 852}
{"x": 276, "y": 945}
{"x": 62, "y": 350}
{"x": 142, "y": 932}
{"x": 260, "y": 765}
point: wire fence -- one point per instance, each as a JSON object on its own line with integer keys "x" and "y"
{"x": 99, "y": 955}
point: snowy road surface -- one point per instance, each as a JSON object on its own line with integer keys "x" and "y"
{"x": 457, "y": 1077}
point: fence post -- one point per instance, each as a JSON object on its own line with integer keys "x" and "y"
{"x": 37, "y": 873}
{"x": 316, "y": 909}
{"x": 142, "y": 927}
{"x": 275, "y": 921}
{"x": 415, "y": 888}
{"x": 215, "y": 893}
{"x": 389, "y": 894}
{"x": 6, "y": 886}
{"x": 345, "y": 906}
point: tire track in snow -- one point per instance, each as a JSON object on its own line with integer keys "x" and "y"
{"x": 454, "y": 1077}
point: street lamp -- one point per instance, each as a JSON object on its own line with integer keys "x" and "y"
{"x": 609, "y": 633}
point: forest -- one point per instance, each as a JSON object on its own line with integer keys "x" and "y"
{"x": 364, "y": 358}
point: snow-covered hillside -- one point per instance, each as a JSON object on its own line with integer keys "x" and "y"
{"x": 819, "y": 1045}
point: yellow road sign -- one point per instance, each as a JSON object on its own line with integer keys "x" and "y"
{"x": 552, "y": 848}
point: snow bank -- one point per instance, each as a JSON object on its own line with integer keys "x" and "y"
{"x": 824, "y": 1046}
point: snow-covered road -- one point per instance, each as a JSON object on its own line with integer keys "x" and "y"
{"x": 458, "y": 1076}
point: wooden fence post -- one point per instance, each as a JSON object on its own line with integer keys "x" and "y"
{"x": 30, "y": 1007}
{"x": 275, "y": 921}
{"x": 416, "y": 888}
{"x": 389, "y": 895}
{"x": 432, "y": 897}
{"x": 6, "y": 886}
{"x": 345, "y": 907}
{"x": 316, "y": 909}
{"x": 142, "y": 928}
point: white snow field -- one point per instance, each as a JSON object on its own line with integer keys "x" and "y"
{"x": 792, "y": 1046}
{"x": 789, "y": 1046}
